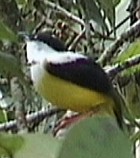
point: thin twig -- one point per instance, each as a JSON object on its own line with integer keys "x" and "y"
{"x": 123, "y": 21}
{"x": 30, "y": 118}
{"x": 41, "y": 115}
{"x": 40, "y": 25}
{"x": 65, "y": 12}
{"x": 76, "y": 40}
{"x": 133, "y": 31}
{"x": 131, "y": 62}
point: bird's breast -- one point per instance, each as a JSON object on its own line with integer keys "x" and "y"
{"x": 65, "y": 94}
{"x": 37, "y": 74}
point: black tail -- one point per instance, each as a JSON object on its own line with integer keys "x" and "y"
{"x": 121, "y": 111}
{"x": 119, "y": 104}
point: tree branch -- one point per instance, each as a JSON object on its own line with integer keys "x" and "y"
{"x": 41, "y": 115}
{"x": 132, "y": 32}
{"x": 124, "y": 20}
{"x": 76, "y": 40}
{"x": 131, "y": 62}
{"x": 65, "y": 12}
{"x": 30, "y": 118}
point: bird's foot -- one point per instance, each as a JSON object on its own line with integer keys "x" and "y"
{"x": 68, "y": 122}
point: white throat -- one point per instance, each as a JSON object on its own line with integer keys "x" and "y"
{"x": 39, "y": 52}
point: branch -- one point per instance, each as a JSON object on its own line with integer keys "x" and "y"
{"x": 124, "y": 20}
{"x": 76, "y": 40}
{"x": 65, "y": 12}
{"x": 131, "y": 62}
{"x": 30, "y": 118}
{"x": 132, "y": 32}
{"x": 41, "y": 115}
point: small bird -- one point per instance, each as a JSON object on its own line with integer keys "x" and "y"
{"x": 68, "y": 79}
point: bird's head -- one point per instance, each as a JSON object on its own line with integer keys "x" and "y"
{"x": 40, "y": 45}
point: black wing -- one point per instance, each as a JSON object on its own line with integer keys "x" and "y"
{"x": 83, "y": 72}
{"x": 88, "y": 74}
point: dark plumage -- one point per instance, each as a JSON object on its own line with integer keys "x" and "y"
{"x": 79, "y": 70}
{"x": 49, "y": 39}
{"x": 83, "y": 72}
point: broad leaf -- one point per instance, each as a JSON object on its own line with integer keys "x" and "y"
{"x": 97, "y": 137}
{"x": 10, "y": 144}
{"x": 6, "y": 33}
{"x": 132, "y": 50}
{"x": 10, "y": 65}
{"x": 39, "y": 146}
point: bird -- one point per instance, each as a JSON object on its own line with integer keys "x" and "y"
{"x": 68, "y": 79}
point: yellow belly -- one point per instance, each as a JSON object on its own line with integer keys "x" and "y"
{"x": 67, "y": 95}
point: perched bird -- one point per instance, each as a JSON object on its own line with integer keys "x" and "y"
{"x": 70, "y": 80}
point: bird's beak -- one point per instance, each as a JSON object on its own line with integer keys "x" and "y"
{"x": 25, "y": 35}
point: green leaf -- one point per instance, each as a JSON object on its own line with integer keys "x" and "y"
{"x": 9, "y": 144}
{"x": 97, "y": 137}
{"x": 6, "y": 33}
{"x": 132, "y": 50}
{"x": 10, "y": 65}
{"x": 3, "y": 115}
{"x": 39, "y": 146}
{"x": 133, "y": 98}
{"x": 92, "y": 11}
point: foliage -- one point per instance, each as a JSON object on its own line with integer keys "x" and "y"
{"x": 132, "y": 50}
{"x": 6, "y": 33}
{"x": 39, "y": 145}
{"x": 10, "y": 144}
{"x": 97, "y": 137}
{"x": 73, "y": 22}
